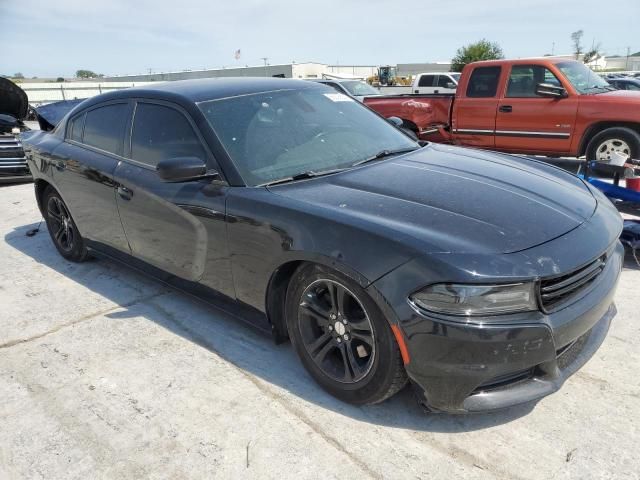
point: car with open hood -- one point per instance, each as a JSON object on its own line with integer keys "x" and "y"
{"x": 483, "y": 279}
{"x": 14, "y": 106}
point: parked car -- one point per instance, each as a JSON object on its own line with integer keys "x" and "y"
{"x": 436, "y": 82}
{"x": 625, "y": 83}
{"x": 485, "y": 279}
{"x": 354, "y": 88}
{"x": 14, "y": 106}
{"x": 544, "y": 106}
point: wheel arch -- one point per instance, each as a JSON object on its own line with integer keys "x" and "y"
{"x": 275, "y": 295}
{"x": 595, "y": 128}
{"x": 40, "y": 186}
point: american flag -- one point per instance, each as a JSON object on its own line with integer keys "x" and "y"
{"x": 237, "y": 54}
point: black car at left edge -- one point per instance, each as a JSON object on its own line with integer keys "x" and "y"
{"x": 484, "y": 279}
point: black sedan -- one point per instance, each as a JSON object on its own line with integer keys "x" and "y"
{"x": 484, "y": 279}
{"x": 625, "y": 83}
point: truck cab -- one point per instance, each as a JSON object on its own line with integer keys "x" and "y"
{"x": 435, "y": 83}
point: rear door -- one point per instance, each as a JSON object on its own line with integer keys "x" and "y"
{"x": 426, "y": 83}
{"x": 527, "y": 122}
{"x": 84, "y": 167}
{"x": 176, "y": 227}
{"x": 474, "y": 111}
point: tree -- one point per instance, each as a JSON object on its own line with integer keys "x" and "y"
{"x": 18, "y": 75}
{"x": 576, "y": 39}
{"x": 86, "y": 74}
{"x": 592, "y": 55}
{"x": 60, "y": 79}
{"x": 474, "y": 52}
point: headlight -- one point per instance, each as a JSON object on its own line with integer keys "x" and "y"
{"x": 468, "y": 300}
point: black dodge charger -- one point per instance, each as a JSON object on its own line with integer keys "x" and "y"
{"x": 483, "y": 279}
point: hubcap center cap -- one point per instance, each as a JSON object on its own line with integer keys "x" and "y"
{"x": 339, "y": 328}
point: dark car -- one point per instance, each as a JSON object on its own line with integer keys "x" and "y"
{"x": 13, "y": 110}
{"x": 485, "y": 279}
{"x": 625, "y": 83}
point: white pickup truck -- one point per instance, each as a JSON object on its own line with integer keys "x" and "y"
{"x": 435, "y": 82}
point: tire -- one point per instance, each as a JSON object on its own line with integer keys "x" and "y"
{"x": 62, "y": 228}
{"x": 356, "y": 356}
{"x": 620, "y": 139}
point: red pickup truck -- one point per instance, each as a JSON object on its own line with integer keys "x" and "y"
{"x": 545, "y": 106}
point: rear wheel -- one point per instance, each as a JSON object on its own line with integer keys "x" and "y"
{"x": 342, "y": 337}
{"x": 614, "y": 140}
{"x": 63, "y": 230}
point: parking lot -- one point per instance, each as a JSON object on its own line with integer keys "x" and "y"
{"x": 105, "y": 373}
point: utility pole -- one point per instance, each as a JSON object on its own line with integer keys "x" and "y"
{"x": 553, "y": 49}
{"x": 626, "y": 63}
{"x": 264, "y": 59}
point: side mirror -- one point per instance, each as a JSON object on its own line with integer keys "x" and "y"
{"x": 395, "y": 121}
{"x": 550, "y": 90}
{"x": 452, "y": 85}
{"x": 181, "y": 169}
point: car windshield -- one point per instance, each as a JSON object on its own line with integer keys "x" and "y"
{"x": 281, "y": 134}
{"x": 455, "y": 76}
{"x": 583, "y": 79}
{"x": 359, "y": 89}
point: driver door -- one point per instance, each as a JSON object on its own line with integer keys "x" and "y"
{"x": 176, "y": 227}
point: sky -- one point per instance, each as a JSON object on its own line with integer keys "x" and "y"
{"x": 115, "y": 37}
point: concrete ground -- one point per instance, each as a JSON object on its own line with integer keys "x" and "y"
{"x": 107, "y": 374}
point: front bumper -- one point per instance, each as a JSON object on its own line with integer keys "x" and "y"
{"x": 472, "y": 367}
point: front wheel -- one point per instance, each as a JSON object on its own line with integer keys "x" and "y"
{"x": 341, "y": 337}
{"x": 622, "y": 140}
{"x": 62, "y": 228}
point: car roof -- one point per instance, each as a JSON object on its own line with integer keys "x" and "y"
{"x": 200, "y": 90}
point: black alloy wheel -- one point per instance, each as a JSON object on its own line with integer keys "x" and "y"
{"x": 336, "y": 331}
{"x": 62, "y": 228}
{"x": 342, "y": 337}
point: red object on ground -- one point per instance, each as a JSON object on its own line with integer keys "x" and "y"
{"x": 633, "y": 183}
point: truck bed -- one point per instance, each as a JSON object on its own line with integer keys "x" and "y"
{"x": 421, "y": 113}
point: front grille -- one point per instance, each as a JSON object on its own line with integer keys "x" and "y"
{"x": 557, "y": 291}
{"x": 12, "y": 159}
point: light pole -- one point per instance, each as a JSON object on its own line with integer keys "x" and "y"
{"x": 265, "y": 65}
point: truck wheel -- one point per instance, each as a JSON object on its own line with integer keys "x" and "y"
{"x": 342, "y": 337}
{"x": 617, "y": 139}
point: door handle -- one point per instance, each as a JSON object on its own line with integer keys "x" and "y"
{"x": 124, "y": 192}
{"x": 505, "y": 108}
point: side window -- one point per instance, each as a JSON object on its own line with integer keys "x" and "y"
{"x": 444, "y": 81}
{"x": 104, "y": 127}
{"x": 75, "y": 127}
{"x": 523, "y": 80}
{"x": 161, "y": 132}
{"x": 426, "y": 80}
{"x": 483, "y": 82}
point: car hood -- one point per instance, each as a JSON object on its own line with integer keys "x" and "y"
{"x": 450, "y": 199}
{"x": 13, "y": 100}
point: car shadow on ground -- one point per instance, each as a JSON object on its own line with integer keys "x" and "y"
{"x": 248, "y": 349}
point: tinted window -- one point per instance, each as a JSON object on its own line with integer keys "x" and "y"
{"x": 104, "y": 127}
{"x": 524, "y": 79}
{"x": 161, "y": 132}
{"x": 426, "y": 80}
{"x": 74, "y": 130}
{"x": 483, "y": 82}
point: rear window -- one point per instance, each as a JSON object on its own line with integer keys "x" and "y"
{"x": 483, "y": 82}
{"x": 104, "y": 127}
{"x": 426, "y": 81}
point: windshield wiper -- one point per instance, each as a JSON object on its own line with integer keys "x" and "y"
{"x": 301, "y": 176}
{"x": 384, "y": 154}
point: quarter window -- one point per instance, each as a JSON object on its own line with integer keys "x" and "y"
{"x": 524, "y": 79}
{"x": 74, "y": 130}
{"x": 161, "y": 132}
{"x": 104, "y": 127}
{"x": 483, "y": 82}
